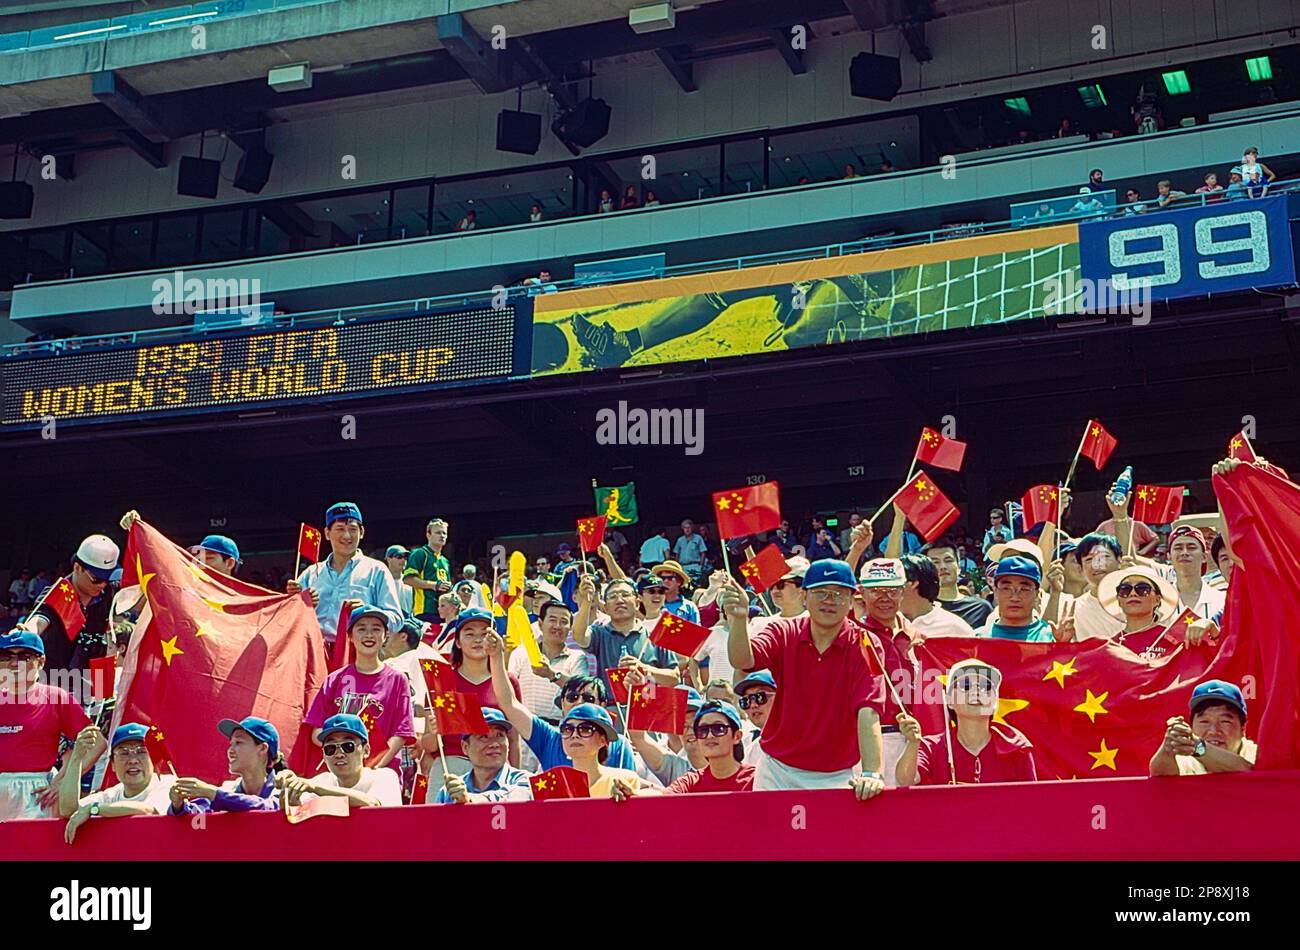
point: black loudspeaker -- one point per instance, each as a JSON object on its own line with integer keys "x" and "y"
{"x": 585, "y": 124}
{"x": 875, "y": 77}
{"x": 16, "y": 199}
{"x": 519, "y": 132}
{"x": 254, "y": 170}
{"x": 198, "y": 177}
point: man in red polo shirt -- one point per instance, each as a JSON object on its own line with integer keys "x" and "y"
{"x": 982, "y": 751}
{"x": 825, "y": 719}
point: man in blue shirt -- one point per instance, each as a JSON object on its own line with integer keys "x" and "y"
{"x": 625, "y": 640}
{"x": 690, "y": 549}
{"x": 347, "y": 575}
{"x": 655, "y": 550}
{"x": 1016, "y": 584}
{"x": 492, "y": 778}
{"x": 674, "y": 579}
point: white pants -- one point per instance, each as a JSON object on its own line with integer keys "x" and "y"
{"x": 18, "y": 794}
{"x": 773, "y": 775}
{"x": 892, "y": 747}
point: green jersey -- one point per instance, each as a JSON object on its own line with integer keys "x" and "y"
{"x": 428, "y": 566}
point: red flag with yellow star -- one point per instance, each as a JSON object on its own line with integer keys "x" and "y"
{"x": 1097, "y": 444}
{"x": 420, "y": 791}
{"x": 376, "y": 737}
{"x": 742, "y": 511}
{"x": 440, "y": 677}
{"x": 309, "y": 542}
{"x": 926, "y": 507}
{"x": 616, "y": 676}
{"x": 591, "y": 533}
{"x": 1239, "y": 447}
{"x": 658, "y": 708}
{"x": 940, "y": 451}
{"x": 1042, "y": 504}
{"x": 765, "y": 568}
{"x": 209, "y": 647}
{"x": 1092, "y": 708}
{"x": 563, "y": 781}
{"x": 155, "y": 740}
{"x": 1158, "y": 504}
{"x": 63, "y": 600}
{"x": 458, "y": 714}
{"x": 679, "y": 635}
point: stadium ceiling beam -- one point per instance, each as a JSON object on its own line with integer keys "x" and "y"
{"x": 793, "y": 57}
{"x": 151, "y": 152}
{"x": 127, "y": 104}
{"x": 484, "y": 65}
{"x": 869, "y": 14}
{"x": 680, "y": 70}
{"x": 534, "y": 65}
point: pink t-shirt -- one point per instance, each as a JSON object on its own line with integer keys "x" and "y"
{"x": 389, "y": 688}
{"x": 31, "y": 724}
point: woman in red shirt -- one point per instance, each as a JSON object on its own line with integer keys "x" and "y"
{"x": 717, "y": 732}
{"x": 1147, "y": 603}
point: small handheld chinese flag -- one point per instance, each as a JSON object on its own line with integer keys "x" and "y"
{"x": 62, "y": 599}
{"x": 591, "y": 533}
{"x": 378, "y": 741}
{"x": 656, "y": 708}
{"x": 103, "y": 673}
{"x": 563, "y": 781}
{"x": 1041, "y": 504}
{"x": 678, "y": 635}
{"x": 1157, "y": 504}
{"x": 765, "y": 568}
{"x": 1175, "y": 635}
{"x": 335, "y": 805}
{"x": 309, "y": 542}
{"x": 869, "y": 653}
{"x": 935, "y": 449}
{"x": 458, "y": 714}
{"x": 420, "y": 793}
{"x": 617, "y": 676}
{"x": 743, "y": 511}
{"x": 1097, "y": 444}
{"x": 440, "y": 677}
{"x": 1239, "y": 447}
{"x": 926, "y": 507}
{"x": 156, "y": 743}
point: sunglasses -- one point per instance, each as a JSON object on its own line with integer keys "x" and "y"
{"x": 348, "y": 747}
{"x": 581, "y": 698}
{"x": 716, "y": 729}
{"x": 654, "y": 590}
{"x": 1142, "y": 590}
{"x": 779, "y": 585}
{"x": 583, "y": 730}
{"x": 754, "y": 699}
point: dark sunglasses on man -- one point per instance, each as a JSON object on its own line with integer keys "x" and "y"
{"x": 756, "y": 698}
{"x": 577, "y": 697}
{"x": 347, "y": 746}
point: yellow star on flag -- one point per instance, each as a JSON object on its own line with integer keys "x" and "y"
{"x": 921, "y": 486}
{"x": 142, "y": 576}
{"x": 156, "y": 733}
{"x": 723, "y": 503}
{"x": 1096, "y": 431}
{"x": 216, "y": 605}
{"x": 1092, "y": 705}
{"x": 542, "y": 784}
{"x": 1104, "y": 756}
{"x": 1142, "y": 494}
{"x": 204, "y": 631}
{"x": 1008, "y": 706}
{"x": 929, "y": 437}
{"x": 170, "y": 649}
{"x": 1236, "y": 443}
{"x": 636, "y": 695}
{"x": 1060, "y": 671}
{"x": 440, "y": 701}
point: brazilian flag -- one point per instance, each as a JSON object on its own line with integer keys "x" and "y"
{"x": 617, "y": 504}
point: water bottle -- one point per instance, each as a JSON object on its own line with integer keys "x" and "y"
{"x": 1123, "y": 485}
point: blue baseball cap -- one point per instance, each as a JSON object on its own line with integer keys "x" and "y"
{"x": 1067, "y": 546}
{"x": 1218, "y": 691}
{"x": 345, "y": 722}
{"x": 20, "y": 639}
{"x": 218, "y": 544}
{"x": 468, "y": 615}
{"x": 341, "y": 510}
{"x": 693, "y": 697}
{"x": 756, "y": 678}
{"x": 590, "y": 712}
{"x": 718, "y": 706}
{"x": 1017, "y": 566}
{"x": 127, "y": 731}
{"x": 259, "y": 729}
{"x": 396, "y": 550}
{"x": 829, "y": 572}
{"x": 367, "y": 610}
{"x": 495, "y": 717}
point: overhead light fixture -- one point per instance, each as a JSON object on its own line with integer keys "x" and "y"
{"x": 652, "y": 17}
{"x": 98, "y": 29}
{"x": 1176, "y": 82}
{"x": 1259, "y": 69}
{"x": 1018, "y": 104}
{"x": 1092, "y": 95}
{"x": 290, "y": 78}
{"x": 182, "y": 19}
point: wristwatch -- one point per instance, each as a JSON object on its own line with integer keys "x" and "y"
{"x": 869, "y": 774}
{"x": 94, "y": 810}
{"x": 1200, "y": 748}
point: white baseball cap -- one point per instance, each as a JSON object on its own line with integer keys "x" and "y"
{"x": 98, "y": 554}
{"x": 796, "y": 568}
{"x": 1022, "y": 546}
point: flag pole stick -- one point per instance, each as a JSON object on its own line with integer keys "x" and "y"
{"x": 889, "y": 501}
{"x": 1069, "y": 477}
{"x": 893, "y": 690}
{"x": 762, "y": 602}
{"x": 947, "y": 735}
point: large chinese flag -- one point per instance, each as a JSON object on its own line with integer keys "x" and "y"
{"x": 926, "y": 507}
{"x": 1262, "y": 510}
{"x": 1158, "y": 504}
{"x": 1097, "y": 444}
{"x": 209, "y": 647}
{"x": 62, "y": 599}
{"x": 742, "y": 511}
{"x": 934, "y": 449}
{"x": 1041, "y": 504}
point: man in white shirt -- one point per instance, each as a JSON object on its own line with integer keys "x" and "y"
{"x": 1099, "y": 555}
{"x": 540, "y": 687}
{"x": 919, "y": 600}
{"x": 345, "y": 743}
{"x": 140, "y": 792}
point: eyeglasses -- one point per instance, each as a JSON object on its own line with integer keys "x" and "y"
{"x": 348, "y": 747}
{"x": 131, "y": 752}
{"x": 583, "y": 730}
{"x": 716, "y": 729}
{"x": 18, "y": 657}
{"x": 1142, "y": 590}
{"x": 833, "y": 594}
{"x": 581, "y": 697}
{"x": 757, "y": 698}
